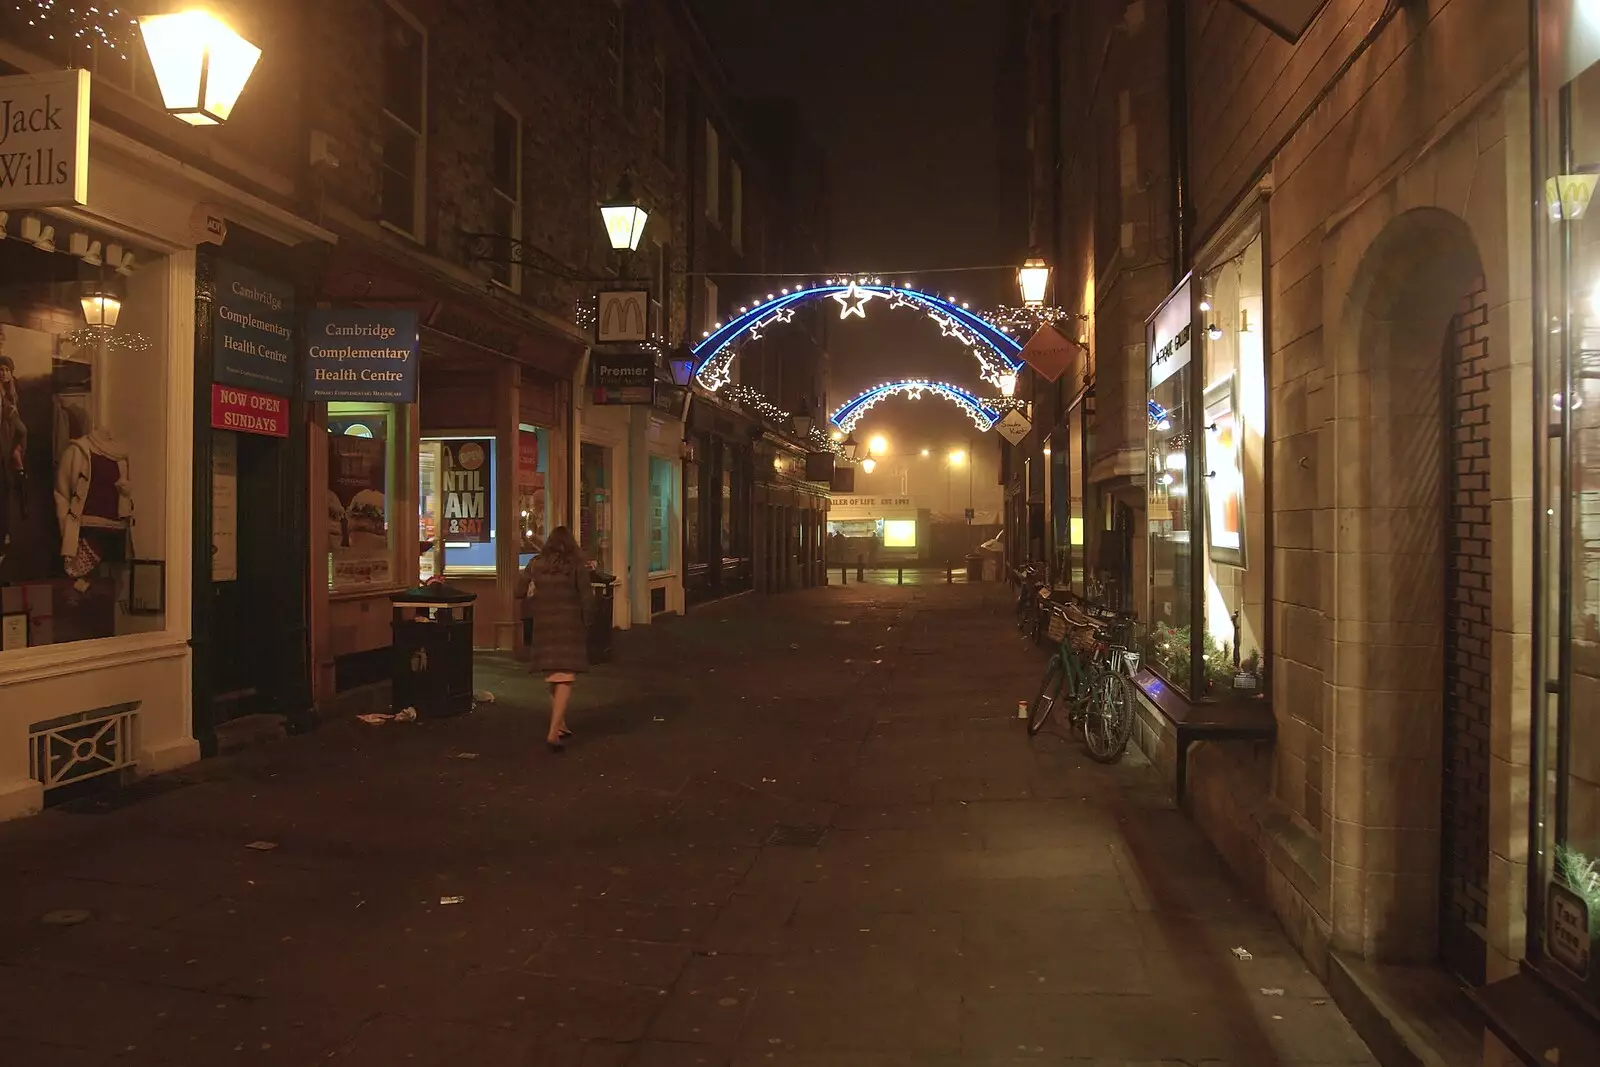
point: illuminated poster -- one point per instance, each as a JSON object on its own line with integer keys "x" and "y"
{"x": 358, "y": 526}
{"x": 465, "y": 490}
{"x": 530, "y": 492}
{"x": 1225, "y": 484}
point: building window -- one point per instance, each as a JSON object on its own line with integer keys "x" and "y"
{"x": 507, "y": 189}
{"x": 1563, "y": 917}
{"x": 594, "y": 508}
{"x": 663, "y": 513}
{"x": 658, "y": 289}
{"x": 708, "y": 308}
{"x": 457, "y": 480}
{"x": 362, "y": 444}
{"x": 736, "y": 205}
{"x": 1170, "y": 350}
{"x": 405, "y": 80}
{"x": 617, "y": 50}
{"x": 713, "y": 172}
{"x": 658, "y": 106}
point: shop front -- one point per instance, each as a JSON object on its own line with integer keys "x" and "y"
{"x": 97, "y": 459}
{"x": 458, "y": 477}
{"x": 1554, "y": 1001}
{"x": 1205, "y": 634}
{"x": 877, "y": 531}
{"x": 718, "y": 480}
{"x": 791, "y": 517}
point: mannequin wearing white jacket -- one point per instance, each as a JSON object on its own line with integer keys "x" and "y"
{"x": 94, "y": 500}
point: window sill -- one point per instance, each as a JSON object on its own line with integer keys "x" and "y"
{"x": 385, "y": 224}
{"x": 1532, "y": 1020}
{"x": 513, "y": 290}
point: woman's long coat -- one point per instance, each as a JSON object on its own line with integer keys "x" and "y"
{"x": 559, "y": 596}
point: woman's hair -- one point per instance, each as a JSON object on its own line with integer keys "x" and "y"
{"x": 560, "y": 546}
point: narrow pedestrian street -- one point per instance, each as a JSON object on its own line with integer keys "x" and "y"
{"x": 791, "y": 832}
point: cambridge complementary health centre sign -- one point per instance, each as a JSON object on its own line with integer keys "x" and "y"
{"x": 252, "y": 330}
{"x": 361, "y": 354}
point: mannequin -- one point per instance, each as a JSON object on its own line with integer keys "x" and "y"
{"x": 94, "y": 502}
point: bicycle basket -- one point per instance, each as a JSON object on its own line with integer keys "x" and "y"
{"x": 1056, "y": 628}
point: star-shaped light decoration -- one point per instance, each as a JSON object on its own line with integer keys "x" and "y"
{"x": 853, "y": 301}
{"x": 784, "y": 314}
{"x": 950, "y": 328}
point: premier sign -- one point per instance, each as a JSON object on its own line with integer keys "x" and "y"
{"x": 44, "y": 140}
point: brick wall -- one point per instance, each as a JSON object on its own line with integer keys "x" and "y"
{"x": 1468, "y": 640}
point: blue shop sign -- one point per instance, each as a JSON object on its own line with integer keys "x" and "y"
{"x": 361, "y": 354}
{"x": 252, "y": 330}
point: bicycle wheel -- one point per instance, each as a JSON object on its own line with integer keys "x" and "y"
{"x": 1108, "y": 719}
{"x": 1049, "y": 693}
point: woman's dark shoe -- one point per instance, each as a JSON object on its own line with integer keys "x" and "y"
{"x": 565, "y": 734}
{"x": 555, "y": 746}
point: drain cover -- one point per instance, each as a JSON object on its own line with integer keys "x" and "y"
{"x": 65, "y": 917}
{"x": 796, "y": 836}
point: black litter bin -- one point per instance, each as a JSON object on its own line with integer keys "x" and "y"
{"x": 432, "y": 669}
{"x": 605, "y": 595}
{"x": 974, "y": 567}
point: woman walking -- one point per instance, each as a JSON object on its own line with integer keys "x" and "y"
{"x": 562, "y": 605}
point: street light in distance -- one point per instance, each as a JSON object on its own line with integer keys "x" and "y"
{"x": 869, "y": 465}
{"x": 957, "y": 457}
{"x": 878, "y": 446}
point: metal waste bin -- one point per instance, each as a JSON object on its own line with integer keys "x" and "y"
{"x": 432, "y": 670}
{"x": 974, "y": 567}
{"x": 604, "y": 587}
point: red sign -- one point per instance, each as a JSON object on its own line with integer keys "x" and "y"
{"x": 247, "y": 411}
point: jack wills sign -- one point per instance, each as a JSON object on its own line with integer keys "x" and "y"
{"x": 44, "y": 139}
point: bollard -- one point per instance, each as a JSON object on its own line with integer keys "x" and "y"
{"x": 899, "y": 576}
{"x": 861, "y": 568}
{"x": 844, "y": 574}
{"x": 949, "y": 574}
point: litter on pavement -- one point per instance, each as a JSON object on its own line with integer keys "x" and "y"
{"x": 451, "y": 900}
{"x": 483, "y": 696}
{"x": 262, "y": 846}
{"x": 1243, "y": 954}
{"x": 375, "y": 719}
{"x": 466, "y": 755}
{"x": 406, "y": 715}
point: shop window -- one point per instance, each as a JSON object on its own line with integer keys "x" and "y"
{"x": 1564, "y": 918}
{"x": 736, "y": 205}
{"x": 1077, "y": 571}
{"x": 1170, "y": 614}
{"x": 404, "y": 136}
{"x": 691, "y": 513}
{"x": 507, "y": 180}
{"x": 362, "y": 456}
{"x": 457, "y": 478}
{"x": 83, "y": 444}
{"x": 1057, "y": 506}
{"x": 594, "y": 510}
{"x": 662, "y": 494}
{"x": 533, "y": 490}
{"x": 1207, "y": 475}
{"x": 900, "y": 533}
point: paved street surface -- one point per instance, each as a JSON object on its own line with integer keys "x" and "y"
{"x": 799, "y": 832}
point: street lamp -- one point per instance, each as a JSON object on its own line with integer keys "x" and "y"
{"x": 1008, "y": 383}
{"x": 1033, "y": 278}
{"x": 869, "y": 464}
{"x": 201, "y": 65}
{"x": 682, "y": 368}
{"x": 101, "y": 309}
{"x": 802, "y": 419}
{"x": 624, "y": 217}
{"x": 878, "y": 446}
{"x": 957, "y": 457}
{"x": 852, "y": 449}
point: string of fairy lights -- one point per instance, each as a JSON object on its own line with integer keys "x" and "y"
{"x": 91, "y": 24}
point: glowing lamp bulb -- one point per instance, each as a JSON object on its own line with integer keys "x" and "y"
{"x": 201, "y": 65}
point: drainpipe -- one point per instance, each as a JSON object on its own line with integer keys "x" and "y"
{"x": 1178, "y": 132}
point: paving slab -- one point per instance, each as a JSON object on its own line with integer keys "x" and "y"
{"x": 800, "y": 831}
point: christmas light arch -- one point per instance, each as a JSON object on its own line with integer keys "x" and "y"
{"x": 982, "y": 416}
{"x": 997, "y": 351}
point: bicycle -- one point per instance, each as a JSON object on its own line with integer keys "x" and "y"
{"x": 1094, "y": 667}
{"x": 1029, "y": 586}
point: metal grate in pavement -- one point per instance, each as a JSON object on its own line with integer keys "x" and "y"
{"x": 796, "y": 836}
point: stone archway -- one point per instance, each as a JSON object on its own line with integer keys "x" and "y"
{"x": 1394, "y": 594}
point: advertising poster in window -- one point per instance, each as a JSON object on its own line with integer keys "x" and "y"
{"x": 1225, "y": 486}
{"x": 530, "y": 492}
{"x": 358, "y": 529}
{"x": 465, "y": 490}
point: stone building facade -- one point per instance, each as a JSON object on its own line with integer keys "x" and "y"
{"x": 1350, "y": 202}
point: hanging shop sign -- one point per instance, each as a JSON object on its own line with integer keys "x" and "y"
{"x": 622, "y": 316}
{"x": 1014, "y": 426}
{"x": 466, "y": 493}
{"x": 44, "y": 140}
{"x": 247, "y": 411}
{"x": 624, "y": 379}
{"x": 1171, "y": 334}
{"x": 365, "y": 354}
{"x": 252, "y": 330}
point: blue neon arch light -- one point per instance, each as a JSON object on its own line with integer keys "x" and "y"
{"x": 982, "y": 416}
{"x": 714, "y": 354}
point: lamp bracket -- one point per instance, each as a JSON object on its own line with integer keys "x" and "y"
{"x": 498, "y": 248}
